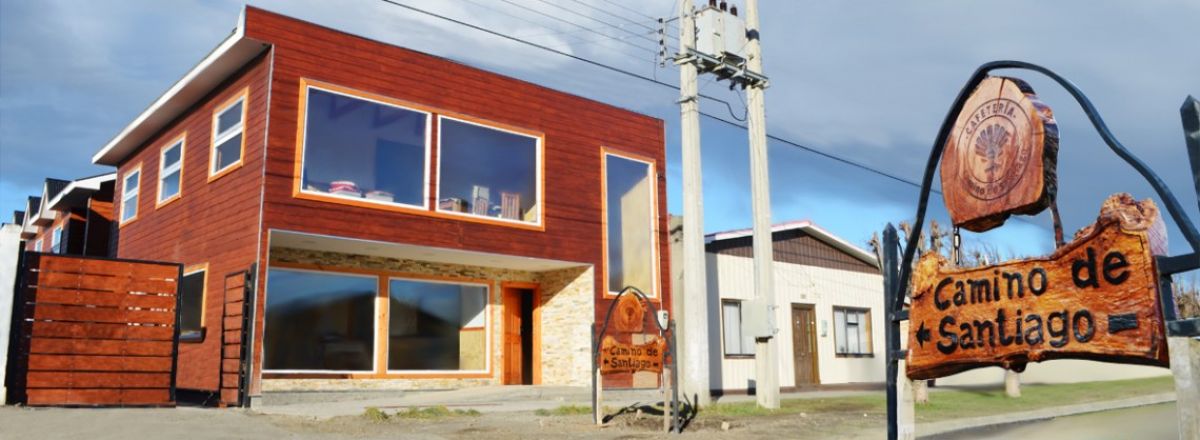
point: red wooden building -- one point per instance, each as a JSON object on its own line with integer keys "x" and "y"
{"x": 72, "y": 217}
{"x": 408, "y": 221}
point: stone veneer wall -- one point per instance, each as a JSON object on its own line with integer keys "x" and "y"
{"x": 567, "y": 310}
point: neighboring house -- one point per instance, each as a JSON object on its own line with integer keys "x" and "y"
{"x": 411, "y": 222}
{"x": 829, "y": 297}
{"x": 10, "y": 247}
{"x": 72, "y": 217}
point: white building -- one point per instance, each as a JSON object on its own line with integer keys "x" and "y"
{"x": 829, "y": 294}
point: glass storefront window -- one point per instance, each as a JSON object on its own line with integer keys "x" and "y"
{"x": 319, "y": 321}
{"x": 436, "y": 326}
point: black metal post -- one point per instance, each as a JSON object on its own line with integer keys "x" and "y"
{"x": 1190, "y": 112}
{"x": 892, "y": 291}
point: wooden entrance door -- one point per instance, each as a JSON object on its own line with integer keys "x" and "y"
{"x": 520, "y": 333}
{"x": 804, "y": 344}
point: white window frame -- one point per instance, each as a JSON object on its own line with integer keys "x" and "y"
{"x": 487, "y": 326}
{"x": 375, "y": 323}
{"x": 136, "y": 173}
{"x": 37, "y": 245}
{"x": 164, "y": 171}
{"x": 538, "y": 168}
{"x": 653, "y": 178}
{"x": 56, "y": 239}
{"x": 372, "y": 98}
{"x": 220, "y": 137}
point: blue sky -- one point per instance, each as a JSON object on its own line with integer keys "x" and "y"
{"x": 869, "y": 81}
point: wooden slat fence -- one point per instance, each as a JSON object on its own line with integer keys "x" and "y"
{"x": 96, "y": 332}
{"x": 235, "y": 344}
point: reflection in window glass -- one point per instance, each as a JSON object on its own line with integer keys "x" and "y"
{"x": 436, "y": 326}
{"x": 129, "y": 194}
{"x": 630, "y": 215}
{"x": 319, "y": 321}
{"x": 227, "y": 136}
{"x": 487, "y": 172}
{"x": 191, "y": 306}
{"x": 170, "y": 170}
{"x": 363, "y": 149}
{"x": 736, "y": 342}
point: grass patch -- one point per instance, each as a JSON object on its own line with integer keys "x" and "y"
{"x": 955, "y": 403}
{"x": 566, "y": 410}
{"x": 431, "y": 412}
{"x": 971, "y": 403}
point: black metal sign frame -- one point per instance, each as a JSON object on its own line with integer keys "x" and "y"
{"x": 897, "y": 271}
{"x": 667, "y": 332}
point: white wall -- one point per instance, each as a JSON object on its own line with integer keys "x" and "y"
{"x": 10, "y": 243}
{"x": 731, "y": 277}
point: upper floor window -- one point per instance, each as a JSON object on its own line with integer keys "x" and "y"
{"x": 489, "y": 172}
{"x": 170, "y": 171}
{"x": 364, "y": 148}
{"x": 56, "y": 240}
{"x": 629, "y": 211}
{"x": 228, "y": 140}
{"x": 129, "y": 194}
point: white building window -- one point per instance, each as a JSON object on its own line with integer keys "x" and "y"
{"x": 852, "y": 331}
{"x": 170, "y": 171}
{"x": 37, "y": 245}
{"x": 737, "y": 343}
{"x": 129, "y": 194}
{"x": 56, "y": 240}
{"x": 228, "y": 142}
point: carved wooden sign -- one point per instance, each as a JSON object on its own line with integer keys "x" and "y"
{"x": 630, "y": 315}
{"x": 1095, "y": 298}
{"x": 1000, "y": 156}
{"x": 616, "y": 357}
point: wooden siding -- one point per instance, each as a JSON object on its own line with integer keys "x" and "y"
{"x": 798, "y": 247}
{"x": 212, "y": 222}
{"x": 575, "y": 130}
{"x": 96, "y": 332}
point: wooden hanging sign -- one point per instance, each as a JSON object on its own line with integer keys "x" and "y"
{"x": 1000, "y": 157}
{"x": 1095, "y": 298}
{"x": 616, "y": 357}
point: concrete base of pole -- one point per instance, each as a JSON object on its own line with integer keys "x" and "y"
{"x": 1185, "y": 366}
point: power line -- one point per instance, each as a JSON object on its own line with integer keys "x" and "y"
{"x": 664, "y": 84}
{"x": 635, "y": 11}
{"x": 556, "y": 18}
{"x": 607, "y": 12}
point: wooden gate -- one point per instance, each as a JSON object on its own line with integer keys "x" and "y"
{"x": 95, "y": 332}
{"x": 235, "y": 343}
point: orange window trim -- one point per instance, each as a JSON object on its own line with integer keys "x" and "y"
{"x": 182, "y": 141}
{"x": 121, "y": 220}
{"x": 213, "y": 173}
{"x": 380, "y": 370}
{"x": 433, "y": 169}
{"x": 654, "y": 232}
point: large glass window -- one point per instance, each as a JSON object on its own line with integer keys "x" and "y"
{"x": 852, "y": 331}
{"x": 129, "y": 194}
{"x": 319, "y": 321}
{"x": 629, "y": 206}
{"x": 737, "y": 343}
{"x": 364, "y": 149}
{"x": 488, "y": 172}
{"x": 437, "y": 326}
{"x": 191, "y": 306}
{"x": 228, "y": 137}
{"x": 170, "y": 171}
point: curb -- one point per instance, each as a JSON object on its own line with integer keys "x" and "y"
{"x": 950, "y": 426}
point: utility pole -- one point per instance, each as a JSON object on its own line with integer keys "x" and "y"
{"x": 766, "y": 349}
{"x": 695, "y": 289}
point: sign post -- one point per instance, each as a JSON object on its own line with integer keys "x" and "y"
{"x": 1094, "y": 298}
{"x": 610, "y": 356}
